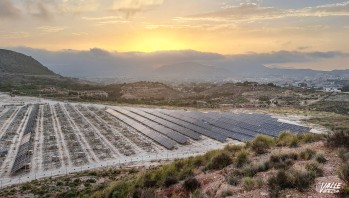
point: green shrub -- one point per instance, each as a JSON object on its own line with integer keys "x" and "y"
{"x": 198, "y": 161}
{"x": 197, "y": 194}
{"x": 314, "y": 167}
{"x": 307, "y": 154}
{"x": 92, "y": 173}
{"x": 191, "y": 184}
{"x": 320, "y": 158}
{"x": 185, "y": 173}
{"x": 311, "y": 137}
{"x": 227, "y": 193}
{"x": 343, "y": 172}
{"x": 149, "y": 183}
{"x": 241, "y": 158}
{"x": 232, "y": 180}
{"x": 343, "y": 154}
{"x": 248, "y": 183}
{"x": 287, "y": 139}
{"x": 248, "y": 171}
{"x": 294, "y": 143}
{"x": 77, "y": 181}
{"x": 140, "y": 193}
{"x": 261, "y": 144}
{"x": 219, "y": 162}
{"x": 91, "y": 180}
{"x": 283, "y": 160}
{"x": 119, "y": 189}
{"x": 258, "y": 182}
{"x": 233, "y": 148}
{"x": 262, "y": 167}
{"x": 344, "y": 192}
{"x": 303, "y": 179}
{"x": 26, "y": 186}
{"x": 280, "y": 181}
{"x": 339, "y": 138}
{"x": 169, "y": 181}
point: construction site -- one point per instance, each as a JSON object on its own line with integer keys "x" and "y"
{"x": 41, "y": 138}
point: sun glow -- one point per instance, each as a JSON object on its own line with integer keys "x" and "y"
{"x": 158, "y": 42}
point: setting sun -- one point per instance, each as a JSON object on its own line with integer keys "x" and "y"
{"x": 157, "y": 42}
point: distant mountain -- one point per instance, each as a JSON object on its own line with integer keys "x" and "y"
{"x": 170, "y": 66}
{"x": 17, "y": 63}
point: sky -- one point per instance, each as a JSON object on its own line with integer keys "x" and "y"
{"x": 227, "y": 27}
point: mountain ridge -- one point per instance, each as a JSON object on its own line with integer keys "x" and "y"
{"x": 17, "y": 63}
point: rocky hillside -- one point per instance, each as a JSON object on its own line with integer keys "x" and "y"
{"x": 17, "y": 63}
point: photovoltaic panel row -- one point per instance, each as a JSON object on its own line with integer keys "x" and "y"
{"x": 159, "y": 138}
{"x": 269, "y": 125}
{"x": 267, "y": 120}
{"x": 182, "y": 115}
{"x": 249, "y": 124}
{"x": 241, "y": 123}
{"x": 256, "y": 123}
{"x": 187, "y": 125}
{"x": 159, "y": 128}
{"x": 234, "y": 123}
{"x": 24, "y": 153}
{"x": 217, "y": 122}
{"x": 178, "y": 128}
{"x": 232, "y": 132}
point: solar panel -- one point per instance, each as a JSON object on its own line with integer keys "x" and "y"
{"x": 24, "y": 153}
{"x": 159, "y": 138}
{"x": 167, "y": 124}
{"x": 189, "y": 125}
{"x": 224, "y": 131}
{"x": 155, "y": 126}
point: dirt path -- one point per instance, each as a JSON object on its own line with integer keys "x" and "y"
{"x": 64, "y": 154}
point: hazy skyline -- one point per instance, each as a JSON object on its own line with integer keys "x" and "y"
{"x": 220, "y": 26}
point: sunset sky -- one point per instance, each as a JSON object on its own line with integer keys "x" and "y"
{"x": 218, "y": 26}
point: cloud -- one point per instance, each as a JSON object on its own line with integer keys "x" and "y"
{"x": 130, "y": 7}
{"x": 102, "y": 18}
{"x": 14, "y": 35}
{"x": 337, "y": 9}
{"x": 48, "y": 9}
{"x": 8, "y": 10}
{"x": 105, "y": 20}
{"x": 51, "y": 29}
{"x": 41, "y": 9}
{"x": 253, "y": 12}
{"x": 79, "y": 34}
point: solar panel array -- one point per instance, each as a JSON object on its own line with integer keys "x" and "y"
{"x": 157, "y": 137}
{"x": 24, "y": 153}
{"x": 168, "y": 127}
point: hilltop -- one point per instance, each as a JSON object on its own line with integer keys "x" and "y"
{"x": 17, "y": 63}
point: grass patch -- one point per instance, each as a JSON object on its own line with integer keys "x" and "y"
{"x": 300, "y": 180}
{"x": 219, "y": 162}
{"x": 191, "y": 184}
{"x": 283, "y": 160}
{"x": 261, "y": 144}
{"x": 233, "y": 180}
{"x": 343, "y": 173}
{"x": 320, "y": 158}
{"x": 241, "y": 158}
{"x": 307, "y": 154}
{"x": 287, "y": 139}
